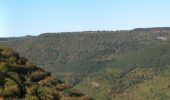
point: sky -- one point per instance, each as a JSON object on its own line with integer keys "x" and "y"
{"x": 33, "y": 17}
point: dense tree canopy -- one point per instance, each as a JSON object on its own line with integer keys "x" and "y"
{"x": 20, "y": 79}
{"x": 106, "y": 65}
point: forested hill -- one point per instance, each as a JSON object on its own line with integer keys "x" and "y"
{"x": 62, "y": 51}
{"x": 21, "y": 80}
{"x": 105, "y": 64}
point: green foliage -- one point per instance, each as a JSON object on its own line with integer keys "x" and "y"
{"x": 12, "y": 59}
{"x": 4, "y": 67}
{"x": 20, "y": 79}
{"x": 118, "y": 65}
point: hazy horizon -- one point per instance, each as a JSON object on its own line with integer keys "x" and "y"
{"x": 20, "y": 18}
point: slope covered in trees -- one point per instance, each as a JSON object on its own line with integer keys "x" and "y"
{"x": 105, "y": 64}
{"x": 21, "y": 80}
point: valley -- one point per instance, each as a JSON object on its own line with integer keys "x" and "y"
{"x": 106, "y": 65}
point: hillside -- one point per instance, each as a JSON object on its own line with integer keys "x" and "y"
{"x": 21, "y": 80}
{"x": 107, "y": 65}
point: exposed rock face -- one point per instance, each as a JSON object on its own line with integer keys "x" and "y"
{"x": 161, "y": 38}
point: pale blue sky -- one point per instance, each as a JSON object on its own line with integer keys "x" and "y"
{"x": 32, "y": 17}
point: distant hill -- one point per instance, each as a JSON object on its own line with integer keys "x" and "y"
{"x": 20, "y": 79}
{"x": 153, "y": 29}
{"x": 105, "y": 64}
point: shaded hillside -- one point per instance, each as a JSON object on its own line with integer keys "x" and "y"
{"x": 76, "y": 52}
{"x": 107, "y": 65}
{"x": 140, "y": 75}
{"x": 20, "y": 79}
